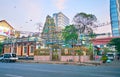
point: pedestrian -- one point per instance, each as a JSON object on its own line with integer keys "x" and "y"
{"x": 26, "y": 57}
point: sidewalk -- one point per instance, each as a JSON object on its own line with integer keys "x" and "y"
{"x": 90, "y": 63}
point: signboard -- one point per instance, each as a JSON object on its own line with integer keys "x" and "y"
{"x": 4, "y": 31}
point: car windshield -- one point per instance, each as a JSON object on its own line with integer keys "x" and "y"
{"x": 110, "y": 54}
{"x": 7, "y": 55}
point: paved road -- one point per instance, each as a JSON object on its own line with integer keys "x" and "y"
{"x": 114, "y": 63}
{"x": 56, "y": 70}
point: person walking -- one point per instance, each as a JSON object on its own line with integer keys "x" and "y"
{"x": 26, "y": 57}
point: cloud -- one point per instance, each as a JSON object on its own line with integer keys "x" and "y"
{"x": 60, "y": 4}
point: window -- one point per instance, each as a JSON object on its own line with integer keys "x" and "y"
{"x": 116, "y": 34}
{"x": 115, "y": 24}
{"x": 113, "y": 10}
{"x": 114, "y": 15}
{"x": 25, "y": 49}
{"x": 32, "y": 49}
{"x": 115, "y": 31}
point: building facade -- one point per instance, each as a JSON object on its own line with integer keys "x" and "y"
{"x": 5, "y": 29}
{"x": 20, "y": 46}
{"x": 60, "y": 20}
{"x": 102, "y": 42}
{"x": 115, "y": 17}
{"x": 9, "y": 37}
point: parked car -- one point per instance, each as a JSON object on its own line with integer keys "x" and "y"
{"x": 110, "y": 56}
{"x": 9, "y": 57}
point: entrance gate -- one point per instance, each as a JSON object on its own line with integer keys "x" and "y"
{"x": 56, "y": 52}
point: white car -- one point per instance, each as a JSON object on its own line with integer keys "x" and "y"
{"x": 110, "y": 56}
{"x": 9, "y": 57}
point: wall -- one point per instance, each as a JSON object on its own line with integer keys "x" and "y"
{"x": 6, "y": 49}
{"x": 75, "y": 58}
{"x": 64, "y": 58}
{"x": 42, "y": 58}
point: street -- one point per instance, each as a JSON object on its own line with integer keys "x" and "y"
{"x": 57, "y": 70}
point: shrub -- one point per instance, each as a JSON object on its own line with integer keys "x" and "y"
{"x": 104, "y": 58}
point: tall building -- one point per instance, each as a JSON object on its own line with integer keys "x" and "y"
{"x": 60, "y": 20}
{"x": 115, "y": 17}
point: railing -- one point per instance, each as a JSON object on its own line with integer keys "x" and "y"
{"x": 27, "y": 39}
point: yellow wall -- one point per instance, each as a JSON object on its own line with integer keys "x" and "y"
{"x": 6, "y": 49}
{"x": 18, "y": 52}
{"x": 5, "y": 25}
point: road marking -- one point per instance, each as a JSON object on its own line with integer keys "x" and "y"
{"x": 11, "y": 75}
{"x": 99, "y": 75}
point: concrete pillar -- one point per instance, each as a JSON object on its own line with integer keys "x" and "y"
{"x": 50, "y": 51}
{"x": 59, "y": 54}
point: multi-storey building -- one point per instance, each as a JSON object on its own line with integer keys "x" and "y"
{"x": 60, "y": 20}
{"x": 115, "y": 17}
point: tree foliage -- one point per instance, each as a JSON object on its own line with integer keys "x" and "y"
{"x": 92, "y": 35}
{"x": 106, "y": 50}
{"x": 83, "y": 22}
{"x": 70, "y": 34}
{"x": 1, "y": 47}
{"x": 115, "y": 42}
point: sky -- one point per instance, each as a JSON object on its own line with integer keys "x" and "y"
{"x": 25, "y": 15}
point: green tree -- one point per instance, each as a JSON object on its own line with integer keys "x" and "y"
{"x": 70, "y": 34}
{"x": 115, "y": 42}
{"x": 92, "y": 35}
{"x": 1, "y": 47}
{"x": 84, "y": 22}
{"x": 106, "y": 50}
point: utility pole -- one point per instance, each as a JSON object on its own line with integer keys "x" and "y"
{"x": 12, "y": 38}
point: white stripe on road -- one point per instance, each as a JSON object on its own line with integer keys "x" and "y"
{"x": 12, "y": 75}
{"x": 98, "y": 75}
